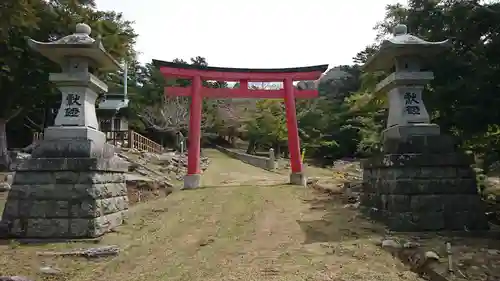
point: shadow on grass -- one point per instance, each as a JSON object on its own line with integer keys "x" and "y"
{"x": 337, "y": 222}
{"x": 233, "y": 186}
{"x": 27, "y": 242}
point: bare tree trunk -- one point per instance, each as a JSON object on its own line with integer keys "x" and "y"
{"x": 4, "y": 152}
{"x": 277, "y": 150}
{"x": 251, "y": 146}
{"x": 286, "y": 152}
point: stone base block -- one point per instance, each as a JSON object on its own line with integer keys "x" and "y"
{"x": 430, "y": 220}
{"x": 405, "y": 131}
{"x": 298, "y": 179}
{"x": 192, "y": 181}
{"x": 76, "y": 165}
{"x": 66, "y": 198}
{"x": 422, "y": 183}
{"x": 74, "y": 132}
{"x": 59, "y": 142}
{"x": 433, "y": 144}
{"x": 41, "y": 228}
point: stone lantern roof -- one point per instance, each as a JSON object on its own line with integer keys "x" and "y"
{"x": 402, "y": 44}
{"x": 78, "y": 44}
{"x": 113, "y": 102}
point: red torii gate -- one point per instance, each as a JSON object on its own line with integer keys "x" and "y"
{"x": 242, "y": 75}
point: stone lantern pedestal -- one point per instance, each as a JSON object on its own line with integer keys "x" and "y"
{"x": 421, "y": 181}
{"x": 74, "y": 185}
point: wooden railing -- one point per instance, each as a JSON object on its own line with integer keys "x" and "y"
{"x": 127, "y": 139}
{"x": 142, "y": 143}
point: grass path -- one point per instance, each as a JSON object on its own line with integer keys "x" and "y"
{"x": 226, "y": 171}
{"x": 228, "y": 233}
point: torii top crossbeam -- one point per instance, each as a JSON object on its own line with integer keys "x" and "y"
{"x": 241, "y": 75}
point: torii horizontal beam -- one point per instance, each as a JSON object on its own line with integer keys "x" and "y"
{"x": 179, "y": 70}
{"x": 239, "y": 93}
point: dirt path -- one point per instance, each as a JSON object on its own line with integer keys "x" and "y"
{"x": 226, "y": 171}
{"x": 227, "y": 233}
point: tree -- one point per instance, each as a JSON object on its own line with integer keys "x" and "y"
{"x": 268, "y": 125}
{"x": 327, "y": 125}
{"x": 171, "y": 115}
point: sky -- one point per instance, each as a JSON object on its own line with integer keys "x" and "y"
{"x": 252, "y": 34}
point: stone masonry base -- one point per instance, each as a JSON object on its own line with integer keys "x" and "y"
{"x": 422, "y": 184}
{"x": 66, "y": 198}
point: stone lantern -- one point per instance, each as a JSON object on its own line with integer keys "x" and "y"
{"x": 77, "y": 54}
{"x": 421, "y": 181}
{"x": 73, "y": 186}
{"x": 406, "y": 56}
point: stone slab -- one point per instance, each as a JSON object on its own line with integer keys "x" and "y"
{"x": 406, "y": 173}
{"x": 91, "y": 204}
{"x": 65, "y": 227}
{"x": 433, "y": 221}
{"x": 433, "y": 144}
{"x": 403, "y": 78}
{"x": 76, "y": 148}
{"x": 74, "y": 132}
{"x": 421, "y": 186}
{"x": 38, "y": 178}
{"x": 68, "y": 191}
{"x": 405, "y": 131}
{"x": 418, "y": 160}
{"x": 83, "y": 79}
{"x": 114, "y": 164}
{"x": 411, "y": 221}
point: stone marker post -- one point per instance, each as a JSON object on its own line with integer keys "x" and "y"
{"x": 74, "y": 185}
{"x": 420, "y": 182}
{"x": 271, "y": 163}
